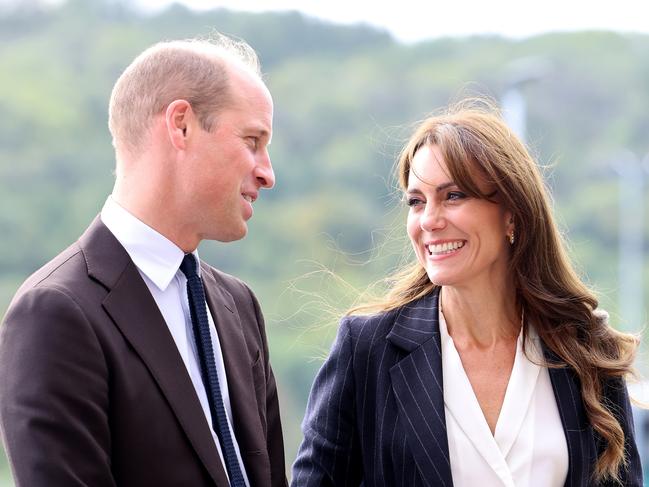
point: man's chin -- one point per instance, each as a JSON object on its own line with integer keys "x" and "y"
{"x": 231, "y": 236}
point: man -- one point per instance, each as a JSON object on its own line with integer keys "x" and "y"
{"x": 113, "y": 372}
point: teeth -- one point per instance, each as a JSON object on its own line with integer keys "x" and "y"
{"x": 445, "y": 248}
{"x": 247, "y": 197}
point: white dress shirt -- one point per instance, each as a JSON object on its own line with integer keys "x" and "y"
{"x": 528, "y": 447}
{"x": 158, "y": 261}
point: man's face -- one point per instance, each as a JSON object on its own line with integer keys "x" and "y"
{"x": 228, "y": 165}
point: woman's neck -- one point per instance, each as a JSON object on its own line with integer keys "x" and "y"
{"x": 480, "y": 318}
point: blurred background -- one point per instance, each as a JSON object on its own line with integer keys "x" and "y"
{"x": 348, "y": 84}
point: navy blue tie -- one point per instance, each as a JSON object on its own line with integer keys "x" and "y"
{"x": 200, "y": 324}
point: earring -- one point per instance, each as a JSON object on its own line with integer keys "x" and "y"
{"x": 511, "y": 238}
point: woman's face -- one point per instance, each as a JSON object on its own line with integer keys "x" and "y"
{"x": 461, "y": 241}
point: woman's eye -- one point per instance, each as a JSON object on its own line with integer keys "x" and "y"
{"x": 414, "y": 202}
{"x": 455, "y": 195}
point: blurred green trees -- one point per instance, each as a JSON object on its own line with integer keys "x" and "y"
{"x": 345, "y": 100}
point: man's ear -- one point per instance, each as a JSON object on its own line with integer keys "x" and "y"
{"x": 178, "y": 118}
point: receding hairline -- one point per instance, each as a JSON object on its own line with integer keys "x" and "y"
{"x": 236, "y": 62}
{"x": 228, "y": 56}
{"x": 223, "y": 49}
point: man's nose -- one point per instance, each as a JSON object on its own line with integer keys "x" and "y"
{"x": 264, "y": 172}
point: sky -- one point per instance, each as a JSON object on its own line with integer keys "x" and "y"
{"x": 417, "y": 20}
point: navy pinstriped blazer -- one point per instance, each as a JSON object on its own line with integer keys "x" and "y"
{"x": 376, "y": 412}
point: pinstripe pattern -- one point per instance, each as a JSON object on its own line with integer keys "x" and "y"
{"x": 376, "y": 412}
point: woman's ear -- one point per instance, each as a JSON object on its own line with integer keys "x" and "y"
{"x": 510, "y": 229}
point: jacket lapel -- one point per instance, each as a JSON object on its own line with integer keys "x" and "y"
{"x": 241, "y": 385}
{"x": 134, "y": 311}
{"x": 418, "y": 387}
{"x": 573, "y": 418}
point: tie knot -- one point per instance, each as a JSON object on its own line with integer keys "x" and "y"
{"x": 188, "y": 266}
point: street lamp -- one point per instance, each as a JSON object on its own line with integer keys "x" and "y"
{"x": 518, "y": 74}
{"x": 631, "y": 181}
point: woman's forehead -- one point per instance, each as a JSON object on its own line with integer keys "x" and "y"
{"x": 429, "y": 166}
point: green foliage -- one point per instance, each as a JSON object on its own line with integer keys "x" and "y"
{"x": 345, "y": 100}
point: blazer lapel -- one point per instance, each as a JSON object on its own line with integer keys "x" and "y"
{"x": 573, "y": 418}
{"x": 418, "y": 388}
{"x": 134, "y": 311}
{"x": 241, "y": 385}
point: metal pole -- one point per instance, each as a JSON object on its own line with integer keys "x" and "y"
{"x": 519, "y": 73}
{"x": 627, "y": 170}
{"x": 630, "y": 243}
{"x": 515, "y": 111}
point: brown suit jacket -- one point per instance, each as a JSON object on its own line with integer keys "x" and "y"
{"x": 93, "y": 391}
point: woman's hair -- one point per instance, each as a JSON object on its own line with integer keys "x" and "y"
{"x": 478, "y": 146}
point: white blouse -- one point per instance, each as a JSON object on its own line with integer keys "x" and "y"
{"x": 528, "y": 448}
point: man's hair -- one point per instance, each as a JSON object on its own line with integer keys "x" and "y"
{"x": 192, "y": 70}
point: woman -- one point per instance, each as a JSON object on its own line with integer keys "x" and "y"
{"x": 487, "y": 363}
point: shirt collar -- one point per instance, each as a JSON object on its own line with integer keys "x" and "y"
{"x": 155, "y": 255}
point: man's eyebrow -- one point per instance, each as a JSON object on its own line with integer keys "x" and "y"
{"x": 259, "y": 131}
{"x": 263, "y": 132}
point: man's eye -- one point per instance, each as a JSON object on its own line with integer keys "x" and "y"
{"x": 254, "y": 142}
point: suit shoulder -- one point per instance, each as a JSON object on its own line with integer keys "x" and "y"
{"x": 51, "y": 291}
{"x": 368, "y": 327}
{"x": 59, "y": 271}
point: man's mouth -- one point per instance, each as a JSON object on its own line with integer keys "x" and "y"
{"x": 248, "y": 198}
